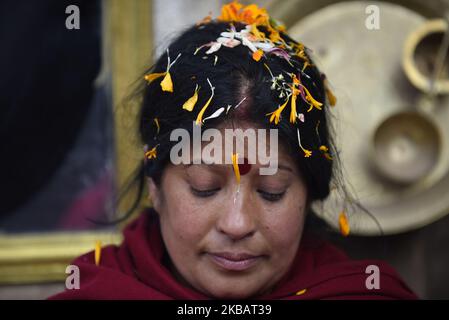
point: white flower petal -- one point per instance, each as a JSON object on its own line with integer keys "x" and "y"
{"x": 263, "y": 45}
{"x": 228, "y": 34}
{"x": 249, "y": 44}
{"x": 230, "y": 43}
{"x": 215, "y": 47}
{"x": 215, "y": 114}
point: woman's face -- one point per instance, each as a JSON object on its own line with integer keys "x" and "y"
{"x": 228, "y": 244}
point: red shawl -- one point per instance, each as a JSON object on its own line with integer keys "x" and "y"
{"x": 134, "y": 270}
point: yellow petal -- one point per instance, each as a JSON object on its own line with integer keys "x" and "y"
{"x": 344, "y": 224}
{"x": 166, "y": 83}
{"x": 199, "y": 118}
{"x": 257, "y": 33}
{"x": 191, "y": 102}
{"x": 330, "y": 96}
{"x": 307, "y": 153}
{"x": 157, "y": 125}
{"x": 301, "y": 292}
{"x": 235, "y": 165}
{"x": 293, "y": 109}
{"x": 325, "y": 150}
{"x": 313, "y": 102}
{"x": 97, "y": 252}
{"x": 273, "y": 117}
{"x": 276, "y": 115}
{"x": 153, "y": 76}
{"x": 305, "y": 66}
{"x": 257, "y": 55}
{"x": 151, "y": 154}
{"x": 275, "y": 36}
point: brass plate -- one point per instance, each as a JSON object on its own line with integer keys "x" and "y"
{"x": 365, "y": 70}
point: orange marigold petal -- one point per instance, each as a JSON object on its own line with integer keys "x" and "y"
{"x": 153, "y": 76}
{"x": 257, "y": 55}
{"x": 344, "y": 224}
{"x": 97, "y": 252}
{"x": 235, "y": 157}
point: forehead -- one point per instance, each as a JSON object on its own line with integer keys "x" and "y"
{"x": 238, "y": 141}
{"x": 246, "y": 132}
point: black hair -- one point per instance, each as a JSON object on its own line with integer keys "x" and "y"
{"x": 235, "y": 75}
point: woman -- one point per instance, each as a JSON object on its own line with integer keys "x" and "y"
{"x": 221, "y": 226}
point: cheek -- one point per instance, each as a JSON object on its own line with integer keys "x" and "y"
{"x": 283, "y": 227}
{"x": 285, "y": 231}
{"x": 183, "y": 219}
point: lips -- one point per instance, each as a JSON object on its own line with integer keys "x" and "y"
{"x": 234, "y": 261}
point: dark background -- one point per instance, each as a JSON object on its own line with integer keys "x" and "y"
{"x": 55, "y": 123}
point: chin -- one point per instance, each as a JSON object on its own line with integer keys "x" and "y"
{"x": 232, "y": 292}
{"x": 232, "y": 295}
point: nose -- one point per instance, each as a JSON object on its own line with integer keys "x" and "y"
{"x": 237, "y": 221}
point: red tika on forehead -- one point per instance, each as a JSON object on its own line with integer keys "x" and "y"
{"x": 244, "y": 167}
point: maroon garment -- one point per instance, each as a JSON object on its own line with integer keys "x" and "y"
{"x": 134, "y": 270}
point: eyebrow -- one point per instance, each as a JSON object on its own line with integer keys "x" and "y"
{"x": 280, "y": 166}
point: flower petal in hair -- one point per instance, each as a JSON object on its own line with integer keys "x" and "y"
{"x": 227, "y": 42}
{"x": 257, "y": 55}
{"x": 206, "y": 45}
{"x": 293, "y": 114}
{"x": 325, "y": 151}
{"x": 265, "y": 46}
{"x": 295, "y": 92}
{"x": 156, "y": 121}
{"x": 191, "y": 102}
{"x": 167, "y": 83}
{"x": 153, "y": 76}
{"x": 276, "y": 115}
{"x": 307, "y": 153}
{"x": 214, "y": 48}
{"x": 310, "y": 100}
{"x": 151, "y": 154}
{"x": 280, "y": 53}
{"x": 199, "y": 118}
{"x": 248, "y": 43}
{"x": 216, "y": 114}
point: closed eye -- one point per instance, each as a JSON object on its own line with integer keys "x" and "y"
{"x": 204, "y": 193}
{"x": 272, "y": 197}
